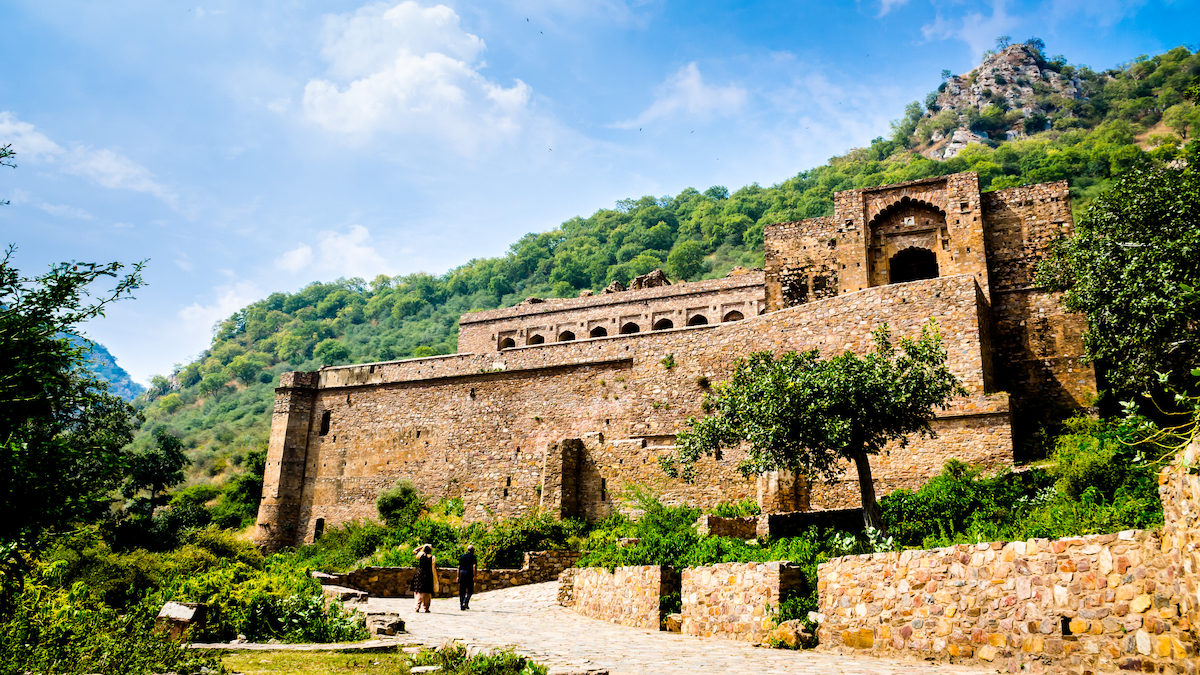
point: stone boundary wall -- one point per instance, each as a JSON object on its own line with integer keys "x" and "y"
{"x": 795, "y": 523}
{"x": 1099, "y": 603}
{"x": 709, "y": 525}
{"x": 734, "y": 600}
{"x": 629, "y": 596}
{"x": 396, "y": 582}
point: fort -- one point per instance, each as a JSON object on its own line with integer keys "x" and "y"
{"x": 560, "y": 404}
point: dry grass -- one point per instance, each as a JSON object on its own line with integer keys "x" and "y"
{"x": 311, "y": 663}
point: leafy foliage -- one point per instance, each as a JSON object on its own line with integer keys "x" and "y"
{"x": 1133, "y": 268}
{"x": 400, "y": 504}
{"x": 807, "y": 415}
{"x": 61, "y": 432}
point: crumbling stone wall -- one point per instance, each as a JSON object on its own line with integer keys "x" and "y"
{"x": 629, "y": 596}
{"x": 709, "y": 525}
{"x": 396, "y": 582}
{"x": 1040, "y": 344}
{"x": 477, "y": 426}
{"x": 735, "y": 600}
{"x": 1099, "y": 603}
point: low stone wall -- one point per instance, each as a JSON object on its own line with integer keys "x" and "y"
{"x": 1100, "y": 603}
{"x": 396, "y": 582}
{"x": 738, "y": 528}
{"x": 733, "y": 600}
{"x": 629, "y": 596}
{"x": 796, "y": 523}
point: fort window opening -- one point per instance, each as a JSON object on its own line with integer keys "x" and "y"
{"x": 598, "y": 331}
{"x": 630, "y": 328}
{"x": 603, "y": 489}
{"x": 508, "y": 343}
{"x": 912, "y": 264}
{"x": 535, "y": 340}
{"x": 324, "y": 423}
{"x": 698, "y": 320}
{"x": 734, "y": 316}
{"x": 566, "y": 336}
{"x": 318, "y": 529}
{"x": 663, "y": 324}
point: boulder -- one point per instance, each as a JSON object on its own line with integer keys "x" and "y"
{"x": 385, "y": 624}
{"x": 791, "y": 634}
{"x": 674, "y": 623}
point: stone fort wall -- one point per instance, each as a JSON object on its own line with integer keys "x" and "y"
{"x": 526, "y": 418}
{"x": 478, "y": 426}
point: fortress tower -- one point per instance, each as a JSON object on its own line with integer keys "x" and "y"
{"x": 560, "y": 404}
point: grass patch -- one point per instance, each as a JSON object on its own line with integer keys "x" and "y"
{"x": 452, "y": 661}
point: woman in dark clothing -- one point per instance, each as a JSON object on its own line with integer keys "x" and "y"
{"x": 425, "y": 578}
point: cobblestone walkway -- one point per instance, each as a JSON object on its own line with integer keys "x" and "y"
{"x": 528, "y": 619}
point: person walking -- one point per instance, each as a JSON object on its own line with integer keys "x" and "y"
{"x": 425, "y": 578}
{"x": 466, "y": 578}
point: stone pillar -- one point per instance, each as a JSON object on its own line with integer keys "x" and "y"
{"x": 782, "y": 491}
{"x": 560, "y": 478}
{"x": 283, "y": 480}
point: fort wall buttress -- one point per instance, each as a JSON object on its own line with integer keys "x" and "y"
{"x": 1039, "y": 343}
{"x": 283, "y": 476}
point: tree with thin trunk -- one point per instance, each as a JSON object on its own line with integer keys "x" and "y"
{"x": 809, "y": 415}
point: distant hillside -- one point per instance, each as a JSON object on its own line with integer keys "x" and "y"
{"x": 1079, "y": 125}
{"x": 104, "y": 365}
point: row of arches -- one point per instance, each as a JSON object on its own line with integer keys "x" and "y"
{"x": 628, "y": 328}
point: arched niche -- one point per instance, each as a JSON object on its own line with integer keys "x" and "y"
{"x": 535, "y": 339}
{"x": 630, "y": 328}
{"x": 598, "y": 331}
{"x": 733, "y": 316}
{"x": 566, "y": 336}
{"x": 507, "y": 343}
{"x": 907, "y": 224}
{"x": 698, "y": 320}
{"x": 663, "y": 324}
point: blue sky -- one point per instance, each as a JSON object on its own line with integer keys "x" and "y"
{"x": 246, "y": 147}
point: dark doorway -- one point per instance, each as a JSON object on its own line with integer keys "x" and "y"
{"x": 598, "y": 331}
{"x": 508, "y": 343}
{"x": 566, "y": 336}
{"x": 698, "y": 320}
{"x": 663, "y": 324}
{"x": 535, "y": 340}
{"x": 734, "y": 316}
{"x": 630, "y": 328}
{"x": 912, "y": 264}
{"x": 318, "y": 529}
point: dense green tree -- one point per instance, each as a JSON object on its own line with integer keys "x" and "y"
{"x": 331, "y": 352}
{"x": 154, "y": 471}
{"x": 686, "y": 260}
{"x": 1133, "y": 267}
{"x": 809, "y": 415}
{"x": 61, "y": 431}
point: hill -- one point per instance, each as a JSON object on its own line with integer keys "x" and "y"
{"x": 1070, "y": 123}
{"x": 104, "y": 365}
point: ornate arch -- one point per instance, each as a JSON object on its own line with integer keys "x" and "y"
{"x": 902, "y": 202}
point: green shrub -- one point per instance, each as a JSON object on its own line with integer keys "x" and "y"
{"x": 741, "y": 509}
{"x": 401, "y": 504}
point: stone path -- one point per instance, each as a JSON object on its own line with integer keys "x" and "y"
{"x": 529, "y": 619}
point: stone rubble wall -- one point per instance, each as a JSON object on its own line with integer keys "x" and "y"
{"x": 629, "y": 596}
{"x": 734, "y": 601}
{"x": 1099, "y": 603}
{"x": 709, "y": 525}
{"x": 396, "y": 582}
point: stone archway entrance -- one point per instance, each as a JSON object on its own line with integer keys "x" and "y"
{"x": 912, "y": 264}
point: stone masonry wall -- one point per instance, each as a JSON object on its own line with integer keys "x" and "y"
{"x": 477, "y": 426}
{"x": 734, "y": 600}
{"x": 1040, "y": 344}
{"x": 562, "y": 320}
{"x": 629, "y": 596}
{"x": 396, "y": 582}
{"x": 1100, "y": 603}
{"x": 738, "y": 528}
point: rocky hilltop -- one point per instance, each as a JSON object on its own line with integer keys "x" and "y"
{"x": 1012, "y": 93}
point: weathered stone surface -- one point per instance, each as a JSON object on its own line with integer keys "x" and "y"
{"x": 791, "y": 634}
{"x": 1036, "y": 605}
{"x": 733, "y": 600}
{"x": 534, "y": 413}
{"x": 629, "y": 596}
{"x": 385, "y": 624}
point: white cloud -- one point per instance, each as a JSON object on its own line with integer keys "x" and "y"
{"x": 105, "y": 167}
{"x": 64, "y": 211}
{"x": 888, "y": 5}
{"x": 338, "y": 254}
{"x": 973, "y": 28}
{"x": 685, "y": 93}
{"x": 231, "y": 298}
{"x": 296, "y": 259}
{"x": 1103, "y": 13}
{"x": 412, "y": 70}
